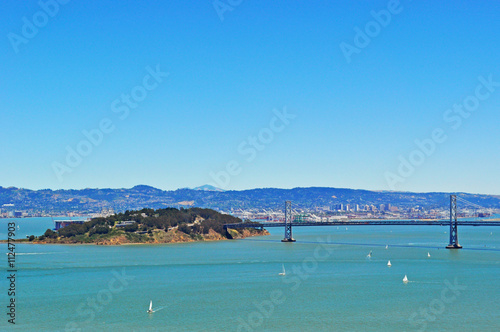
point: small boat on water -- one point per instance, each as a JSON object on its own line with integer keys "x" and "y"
{"x": 387, "y": 246}
{"x": 369, "y": 254}
{"x": 389, "y": 264}
{"x": 405, "y": 279}
{"x": 428, "y": 255}
{"x": 283, "y": 273}
{"x": 150, "y": 311}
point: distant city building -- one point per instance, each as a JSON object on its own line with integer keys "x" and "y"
{"x": 105, "y": 212}
{"x": 9, "y": 208}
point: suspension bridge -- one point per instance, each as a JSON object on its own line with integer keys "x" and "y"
{"x": 453, "y": 223}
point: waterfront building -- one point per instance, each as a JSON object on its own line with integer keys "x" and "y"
{"x": 63, "y": 223}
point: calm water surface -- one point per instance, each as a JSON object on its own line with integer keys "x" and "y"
{"x": 234, "y": 285}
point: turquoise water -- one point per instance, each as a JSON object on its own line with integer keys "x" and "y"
{"x": 30, "y": 226}
{"x": 234, "y": 285}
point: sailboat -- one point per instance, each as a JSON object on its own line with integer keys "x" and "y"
{"x": 428, "y": 255}
{"x": 282, "y": 273}
{"x": 389, "y": 264}
{"x": 405, "y": 279}
{"x": 369, "y": 255}
{"x": 387, "y": 246}
{"x": 150, "y": 311}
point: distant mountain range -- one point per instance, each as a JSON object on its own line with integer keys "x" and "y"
{"x": 93, "y": 200}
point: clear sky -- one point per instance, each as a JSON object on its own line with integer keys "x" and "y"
{"x": 258, "y": 94}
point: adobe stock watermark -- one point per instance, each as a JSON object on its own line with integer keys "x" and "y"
{"x": 31, "y": 26}
{"x": 222, "y": 6}
{"x": 86, "y": 310}
{"x": 300, "y": 273}
{"x": 428, "y": 146}
{"x": 363, "y": 37}
{"x": 251, "y": 146}
{"x": 437, "y": 306}
{"x": 122, "y": 107}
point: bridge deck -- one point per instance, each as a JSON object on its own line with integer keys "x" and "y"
{"x": 368, "y": 223}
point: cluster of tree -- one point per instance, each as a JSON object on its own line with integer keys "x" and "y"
{"x": 131, "y": 228}
{"x": 99, "y": 229}
{"x": 150, "y": 219}
{"x": 190, "y": 221}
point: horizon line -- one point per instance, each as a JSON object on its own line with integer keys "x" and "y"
{"x": 262, "y": 188}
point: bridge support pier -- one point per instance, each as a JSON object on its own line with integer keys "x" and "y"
{"x": 288, "y": 223}
{"x": 453, "y": 224}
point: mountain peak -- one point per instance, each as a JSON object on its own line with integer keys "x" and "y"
{"x": 143, "y": 187}
{"x": 208, "y": 187}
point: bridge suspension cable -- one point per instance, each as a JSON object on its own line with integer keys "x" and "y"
{"x": 477, "y": 206}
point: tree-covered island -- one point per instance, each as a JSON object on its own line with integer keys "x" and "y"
{"x": 168, "y": 225}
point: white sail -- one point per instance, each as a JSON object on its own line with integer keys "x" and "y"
{"x": 405, "y": 279}
{"x": 428, "y": 255}
{"x": 283, "y": 270}
{"x": 389, "y": 264}
{"x": 151, "y": 306}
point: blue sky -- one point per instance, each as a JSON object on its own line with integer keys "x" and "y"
{"x": 352, "y": 118}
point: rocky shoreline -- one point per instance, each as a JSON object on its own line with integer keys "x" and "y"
{"x": 156, "y": 237}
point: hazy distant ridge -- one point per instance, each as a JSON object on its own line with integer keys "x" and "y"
{"x": 269, "y": 198}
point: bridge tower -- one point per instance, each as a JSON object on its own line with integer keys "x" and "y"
{"x": 453, "y": 224}
{"x": 288, "y": 223}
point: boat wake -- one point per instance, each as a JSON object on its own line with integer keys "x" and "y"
{"x": 159, "y": 308}
{"x": 34, "y": 253}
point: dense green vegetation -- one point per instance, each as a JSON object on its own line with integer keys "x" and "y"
{"x": 194, "y": 222}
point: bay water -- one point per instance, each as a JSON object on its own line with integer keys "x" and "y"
{"x": 330, "y": 284}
